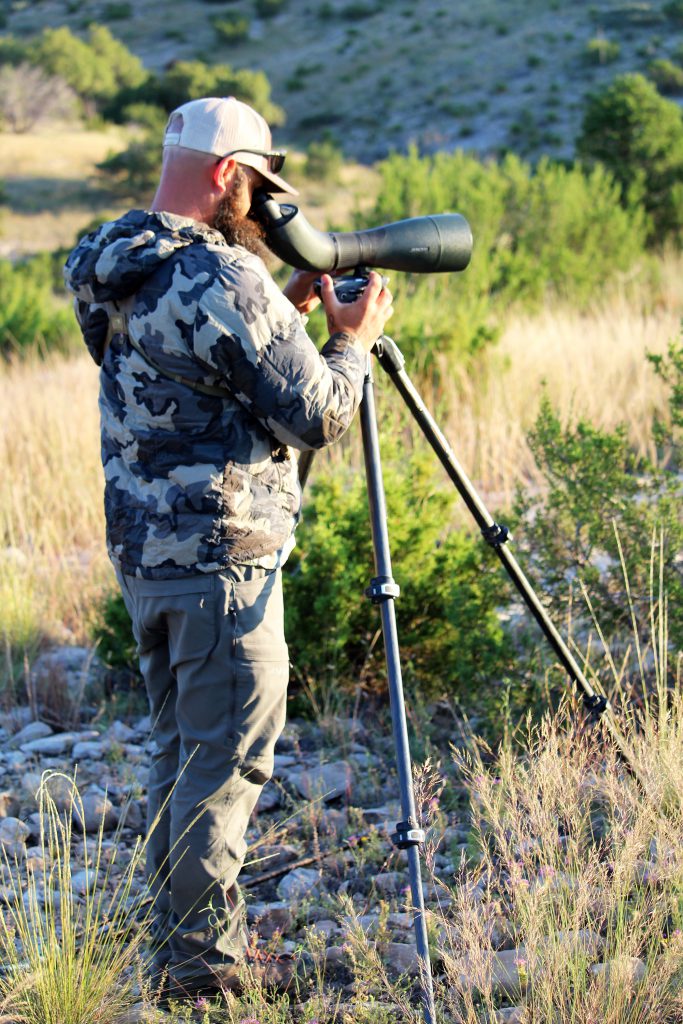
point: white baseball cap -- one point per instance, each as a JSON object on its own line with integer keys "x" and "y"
{"x": 226, "y": 126}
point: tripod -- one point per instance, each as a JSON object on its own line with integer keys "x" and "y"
{"x": 383, "y": 591}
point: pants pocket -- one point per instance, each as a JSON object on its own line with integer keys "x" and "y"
{"x": 261, "y": 672}
{"x": 260, "y": 710}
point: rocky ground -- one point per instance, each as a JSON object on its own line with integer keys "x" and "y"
{"x": 320, "y": 863}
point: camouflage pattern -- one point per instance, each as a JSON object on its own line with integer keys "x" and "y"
{"x": 194, "y": 483}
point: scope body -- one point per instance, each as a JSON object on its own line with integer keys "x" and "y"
{"x": 420, "y": 245}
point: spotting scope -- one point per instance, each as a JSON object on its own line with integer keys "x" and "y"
{"x": 419, "y": 245}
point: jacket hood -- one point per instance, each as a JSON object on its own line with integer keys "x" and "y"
{"x": 114, "y": 261}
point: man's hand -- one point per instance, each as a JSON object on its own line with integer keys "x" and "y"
{"x": 299, "y": 290}
{"x": 365, "y": 318}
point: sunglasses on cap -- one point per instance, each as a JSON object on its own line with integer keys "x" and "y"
{"x": 275, "y": 157}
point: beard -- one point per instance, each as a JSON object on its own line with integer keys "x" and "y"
{"x": 238, "y": 228}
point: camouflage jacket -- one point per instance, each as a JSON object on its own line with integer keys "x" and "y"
{"x": 195, "y": 482}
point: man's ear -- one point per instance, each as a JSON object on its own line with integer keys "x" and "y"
{"x": 223, "y": 172}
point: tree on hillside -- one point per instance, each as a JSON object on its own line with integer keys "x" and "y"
{"x": 191, "y": 79}
{"x": 29, "y": 97}
{"x": 638, "y": 135}
{"x": 96, "y": 67}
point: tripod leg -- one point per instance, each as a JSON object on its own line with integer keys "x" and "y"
{"x": 391, "y": 359}
{"x": 383, "y": 591}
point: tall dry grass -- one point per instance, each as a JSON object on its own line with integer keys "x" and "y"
{"x": 52, "y": 559}
{"x": 591, "y": 366}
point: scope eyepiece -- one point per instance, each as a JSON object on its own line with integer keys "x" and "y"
{"x": 420, "y": 245}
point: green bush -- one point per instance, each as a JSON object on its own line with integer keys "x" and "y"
{"x": 190, "y": 80}
{"x": 601, "y": 51}
{"x": 450, "y": 637}
{"x": 231, "y": 28}
{"x": 604, "y": 504}
{"x": 549, "y": 230}
{"x": 95, "y": 68}
{"x": 117, "y": 11}
{"x": 134, "y": 171}
{"x": 674, "y": 11}
{"x": 113, "y": 635}
{"x": 32, "y": 317}
{"x": 324, "y": 160}
{"x": 638, "y": 136}
{"x": 667, "y": 76}
{"x": 269, "y": 8}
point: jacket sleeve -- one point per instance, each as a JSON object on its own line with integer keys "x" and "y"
{"x": 249, "y": 334}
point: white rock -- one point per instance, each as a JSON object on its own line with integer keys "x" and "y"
{"x": 9, "y": 804}
{"x": 270, "y": 918}
{"x": 402, "y": 956}
{"x": 13, "y": 836}
{"x": 86, "y": 750}
{"x": 269, "y": 799}
{"x": 625, "y": 970}
{"x": 325, "y": 927}
{"x": 328, "y": 781}
{"x": 82, "y": 882}
{"x": 298, "y": 883}
{"x": 53, "y": 745}
{"x": 61, "y": 678}
{"x": 119, "y": 732}
{"x": 32, "y": 731}
{"x": 97, "y": 807}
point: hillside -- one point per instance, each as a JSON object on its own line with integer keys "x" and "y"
{"x": 378, "y": 76}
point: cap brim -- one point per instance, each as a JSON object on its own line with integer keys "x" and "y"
{"x": 277, "y": 183}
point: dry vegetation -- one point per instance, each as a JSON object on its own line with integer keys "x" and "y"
{"x": 50, "y": 492}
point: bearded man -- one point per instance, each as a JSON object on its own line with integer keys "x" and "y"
{"x": 209, "y": 387}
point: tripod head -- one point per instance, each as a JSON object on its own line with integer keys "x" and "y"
{"x": 419, "y": 245}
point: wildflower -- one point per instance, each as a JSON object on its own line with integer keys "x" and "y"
{"x": 201, "y": 1003}
{"x": 249, "y": 1020}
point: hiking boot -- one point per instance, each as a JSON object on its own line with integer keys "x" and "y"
{"x": 276, "y": 972}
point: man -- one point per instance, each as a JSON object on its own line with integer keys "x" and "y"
{"x": 209, "y": 385}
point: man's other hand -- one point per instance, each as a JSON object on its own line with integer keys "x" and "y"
{"x": 300, "y": 291}
{"x": 365, "y": 318}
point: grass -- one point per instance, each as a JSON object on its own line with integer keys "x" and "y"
{"x": 568, "y": 904}
{"x": 54, "y": 566}
{"x": 69, "y": 957}
{"x": 53, "y": 560}
{"x": 51, "y": 187}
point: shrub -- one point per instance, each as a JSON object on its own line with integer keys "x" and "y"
{"x": 189, "y": 80}
{"x": 667, "y": 76}
{"x": 450, "y": 637}
{"x": 31, "y": 316}
{"x": 448, "y": 630}
{"x": 601, "y": 511}
{"x": 96, "y": 68}
{"x": 113, "y": 635}
{"x": 117, "y": 11}
{"x": 269, "y": 8}
{"x": 231, "y": 28}
{"x": 323, "y": 160}
{"x": 29, "y": 97}
{"x": 135, "y": 170}
{"x": 638, "y": 136}
{"x": 551, "y": 229}
{"x": 674, "y": 10}
{"x": 601, "y": 51}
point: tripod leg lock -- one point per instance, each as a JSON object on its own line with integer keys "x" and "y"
{"x": 382, "y": 588}
{"x": 407, "y": 834}
{"x": 596, "y": 705}
{"x": 495, "y": 535}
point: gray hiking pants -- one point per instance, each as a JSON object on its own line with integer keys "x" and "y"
{"x": 214, "y": 660}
